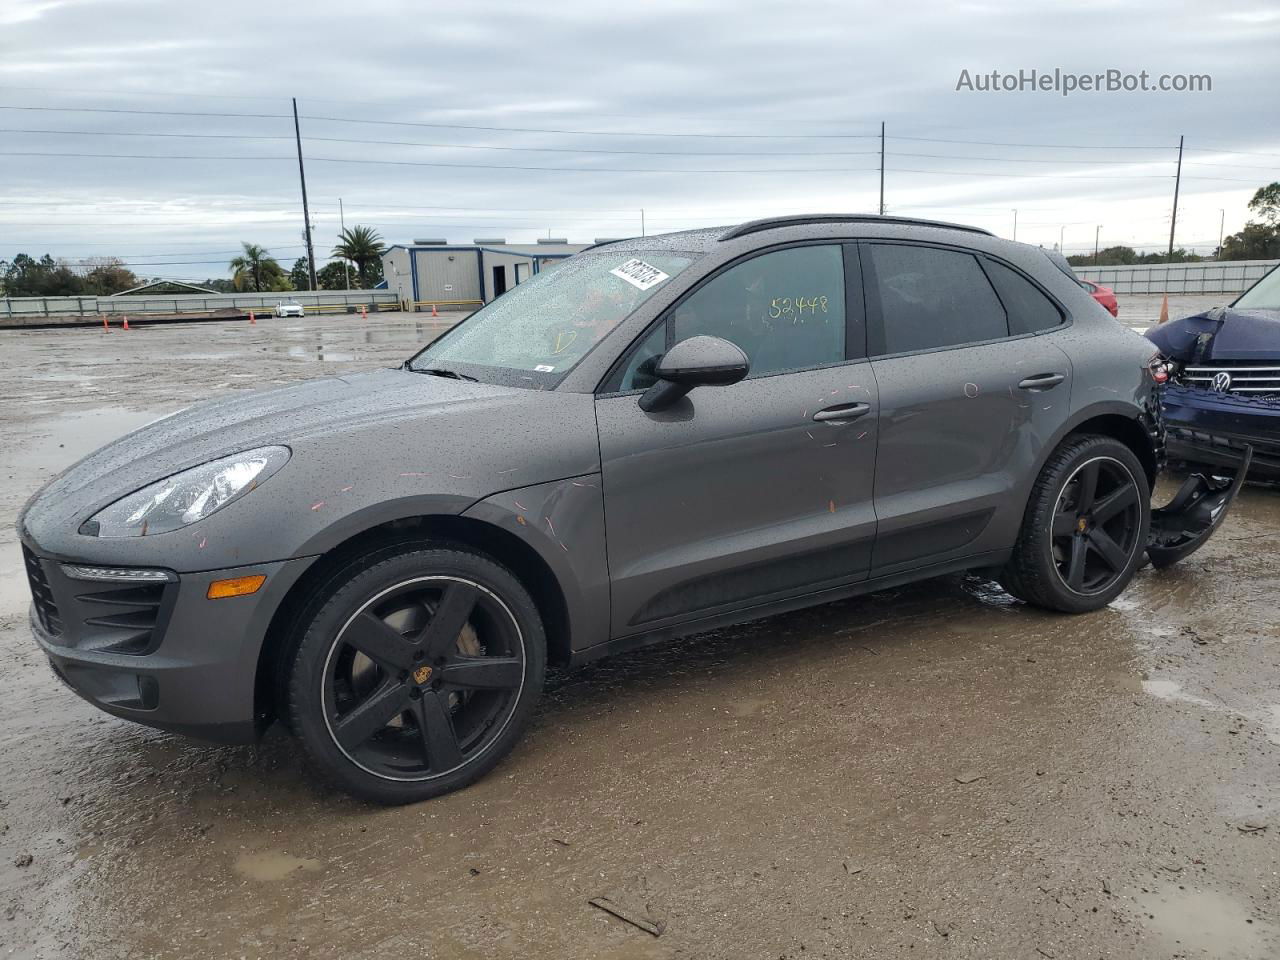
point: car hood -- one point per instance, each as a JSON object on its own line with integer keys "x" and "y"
{"x": 1222, "y": 333}
{"x": 373, "y": 437}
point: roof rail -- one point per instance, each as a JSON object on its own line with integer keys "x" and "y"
{"x": 769, "y": 223}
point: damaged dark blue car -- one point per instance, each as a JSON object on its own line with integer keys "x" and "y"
{"x": 1223, "y": 395}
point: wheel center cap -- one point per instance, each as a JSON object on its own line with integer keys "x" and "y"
{"x": 422, "y": 674}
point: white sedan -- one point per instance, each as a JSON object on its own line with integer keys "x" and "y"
{"x": 289, "y": 308}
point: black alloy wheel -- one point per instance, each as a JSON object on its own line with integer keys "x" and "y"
{"x": 1084, "y": 531}
{"x": 1096, "y": 525}
{"x": 417, "y": 673}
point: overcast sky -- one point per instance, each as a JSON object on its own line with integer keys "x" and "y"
{"x": 795, "y": 86}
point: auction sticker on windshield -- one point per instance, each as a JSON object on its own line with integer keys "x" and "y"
{"x": 640, "y": 274}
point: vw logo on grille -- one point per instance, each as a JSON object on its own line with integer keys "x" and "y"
{"x": 1222, "y": 381}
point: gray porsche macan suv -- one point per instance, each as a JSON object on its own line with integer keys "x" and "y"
{"x": 659, "y": 436}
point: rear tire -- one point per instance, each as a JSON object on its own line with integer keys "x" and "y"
{"x": 417, "y": 672}
{"x": 1084, "y": 533}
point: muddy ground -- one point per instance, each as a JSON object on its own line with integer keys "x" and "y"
{"x": 930, "y": 771}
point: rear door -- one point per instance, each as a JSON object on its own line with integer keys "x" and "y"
{"x": 751, "y": 492}
{"x": 970, "y": 391}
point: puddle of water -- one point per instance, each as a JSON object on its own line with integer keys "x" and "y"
{"x": 67, "y": 437}
{"x": 319, "y": 352}
{"x": 61, "y": 441}
{"x": 1204, "y": 922}
{"x": 273, "y": 865}
{"x": 1172, "y": 690}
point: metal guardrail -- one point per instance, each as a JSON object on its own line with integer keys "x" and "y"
{"x": 210, "y": 303}
{"x": 1205, "y": 276}
{"x": 418, "y": 304}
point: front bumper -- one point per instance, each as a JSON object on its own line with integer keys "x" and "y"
{"x": 160, "y": 654}
{"x": 1213, "y": 428}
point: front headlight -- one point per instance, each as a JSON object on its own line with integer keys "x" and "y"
{"x": 186, "y": 497}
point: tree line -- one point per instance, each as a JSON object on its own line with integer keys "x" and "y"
{"x": 357, "y": 265}
{"x": 1258, "y": 240}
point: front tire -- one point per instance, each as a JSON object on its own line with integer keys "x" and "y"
{"x": 1085, "y": 528}
{"x": 417, "y": 672}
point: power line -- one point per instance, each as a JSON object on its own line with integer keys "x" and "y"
{"x": 457, "y": 146}
{"x": 453, "y": 126}
{"x": 1032, "y": 176}
{"x": 489, "y": 166}
{"x": 585, "y": 150}
{"x": 425, "y": 163}
{"x": 613, "y": 133}
{"x": 1054, "y": 146}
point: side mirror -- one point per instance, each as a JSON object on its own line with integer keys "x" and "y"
{"x": 696, "y": 362}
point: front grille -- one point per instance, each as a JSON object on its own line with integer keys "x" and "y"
{"x": 46, "y": 608}
{"x": 1239, "y": 376}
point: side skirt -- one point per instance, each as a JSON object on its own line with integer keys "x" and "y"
{"x": 635, "y": 641}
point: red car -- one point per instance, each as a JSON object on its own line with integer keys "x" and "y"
{"x": 1104, "y": 295}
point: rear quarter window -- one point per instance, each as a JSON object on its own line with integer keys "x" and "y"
{"x": 1029, "y": 310}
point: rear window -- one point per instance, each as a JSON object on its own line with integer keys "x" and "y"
{"x": 1029, "y": 310}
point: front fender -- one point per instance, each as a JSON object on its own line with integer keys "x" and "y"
{"x": 563, "y": 522}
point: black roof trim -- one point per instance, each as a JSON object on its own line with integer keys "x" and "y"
{"x": 770, "y": 223}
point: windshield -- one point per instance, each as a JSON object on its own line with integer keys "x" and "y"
{"x": 1263, "y": 295}
{"x": 537, "y": 332}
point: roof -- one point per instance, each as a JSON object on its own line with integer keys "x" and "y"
{"x": 700, "y": 240}
{"x": 517, "y": 249}
{"x": 163, "y": 283}
{"x": 802, "y": 220}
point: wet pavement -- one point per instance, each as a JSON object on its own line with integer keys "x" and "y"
{"x": 930, "y": 771}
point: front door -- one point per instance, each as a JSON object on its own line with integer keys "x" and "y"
{"x": 753, "y": 492}
{"x": 969, "y": 395}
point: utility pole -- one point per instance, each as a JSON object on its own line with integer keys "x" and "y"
{"x": 882, "y": 168}
{"x": 306, "y": 214}
{"x": 1096, "y": 231}
{"x": 1177, "y": 183}
{"x": 1061, "y": 231}
{"x": 1015, "y": 223}
{"x": 342, "y": 225}
{"x": 1222, "y": 229}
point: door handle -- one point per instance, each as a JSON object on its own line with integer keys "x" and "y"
{"x": 1042, "y": 381}
{"x": 842, "y": 413}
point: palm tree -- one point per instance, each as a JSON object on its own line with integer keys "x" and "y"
{"x": 255, "y": 266}
{"x": 362, "y": 246}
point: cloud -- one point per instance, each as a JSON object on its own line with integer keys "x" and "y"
{"x": 802, "y": 86}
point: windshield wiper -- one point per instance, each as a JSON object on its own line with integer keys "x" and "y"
{"x": 442, "y": 372}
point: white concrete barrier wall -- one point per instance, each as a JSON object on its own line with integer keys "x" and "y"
{"x": 197, "y": 303}
{"x": 1227, "y": 276}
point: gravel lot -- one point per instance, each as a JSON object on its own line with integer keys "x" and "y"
{"x": 933, "y": 771}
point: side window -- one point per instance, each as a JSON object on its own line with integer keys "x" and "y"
{"x": 638, "y": 373}
{"x": 1029, "y": 310}
{"x": 932, "y": 298}
{"x": 784, "y": 309}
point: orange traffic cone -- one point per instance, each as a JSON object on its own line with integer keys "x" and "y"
{"x": 126, "y": 321}
{"x": 1164, "y": 310}
{"x": 252, "y": 319}
{"x": 106, "y": 327}
{"x": 434, "y": 311}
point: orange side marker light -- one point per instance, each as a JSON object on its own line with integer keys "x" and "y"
{"x": 236, "y": 586}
